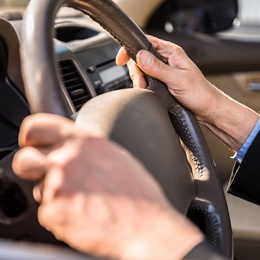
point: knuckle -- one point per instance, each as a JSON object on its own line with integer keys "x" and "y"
{"x": 131, "y": 65}
{"x": 159, "y": 67}
{"x": 135, "y": 73}
{"x": 179, "y": 50}
{"x": 134, "y": 77}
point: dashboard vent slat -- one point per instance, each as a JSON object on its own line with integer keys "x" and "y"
{"x": 73, "y": 84}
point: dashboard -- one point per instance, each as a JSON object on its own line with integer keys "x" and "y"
{"x": 85, "y": 61}
{"x": 85, "y": 56}
{"x": 87, "y": 66}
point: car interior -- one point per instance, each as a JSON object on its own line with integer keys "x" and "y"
{"x": 59, "y": 57}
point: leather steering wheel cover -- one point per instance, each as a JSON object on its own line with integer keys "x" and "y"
{"x": 44, "y": 94}
{"x": 138, "y": 121}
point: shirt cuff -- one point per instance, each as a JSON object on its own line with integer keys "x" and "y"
{"x": 239, "y": 156}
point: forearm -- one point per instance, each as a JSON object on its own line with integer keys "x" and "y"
{"x": 229, "y": 120}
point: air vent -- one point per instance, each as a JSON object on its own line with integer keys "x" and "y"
{"x": 74, "y": 84}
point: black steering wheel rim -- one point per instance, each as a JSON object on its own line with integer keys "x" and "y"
{"x": 44, "y": 95}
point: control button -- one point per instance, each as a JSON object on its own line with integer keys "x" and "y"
{"x": 109, "y": 86}
{"x": 91, "y": 69}
{"x": 97, "y": 83}
{"x": 100, "y": 89}
{"x": 116, "y": 82}
{"x": 126, "y": 78}
{"x": 77, "y": 92}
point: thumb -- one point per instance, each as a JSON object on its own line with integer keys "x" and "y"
{"x": 152, "y": 66}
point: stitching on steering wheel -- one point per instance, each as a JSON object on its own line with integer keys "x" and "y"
{"x": 129, "y": 48}
{"x": 192, "y": 148}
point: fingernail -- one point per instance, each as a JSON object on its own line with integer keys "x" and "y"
{"x": 144, "y": 57}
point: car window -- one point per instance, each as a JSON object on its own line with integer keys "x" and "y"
{"x": 246, "y": 26}
{"x": 249, "y": 12}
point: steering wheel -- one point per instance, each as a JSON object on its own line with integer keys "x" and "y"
{"x": 149, "y": 123}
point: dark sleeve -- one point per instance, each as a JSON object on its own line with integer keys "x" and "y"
{"x": 245, "y": 178}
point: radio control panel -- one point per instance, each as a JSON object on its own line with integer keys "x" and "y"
{"x": 101, "y": 69}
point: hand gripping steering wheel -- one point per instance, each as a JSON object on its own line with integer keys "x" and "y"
{"x": 149, "y": 123}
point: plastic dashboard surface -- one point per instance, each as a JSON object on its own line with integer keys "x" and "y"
{"x": 86, "y": 60}
{"x": 87, "y": 65}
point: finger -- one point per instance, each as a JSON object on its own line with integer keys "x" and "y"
{"x": 122, "y": 57}
{"x": 29, "y": 163}
{"x": 155, "y": 41}
{"x": 164, "y": 48}
{"x": 172, "y": 53}
{"x": 42, "y": 130}
{"x": 51, "y": 186}
{"x": 47, "y": 216}
{"x": 153, "y": 67}
{"x": 55, "y": 216}
{"x": 38, "y": 191}
{"x": 136, "y": 75}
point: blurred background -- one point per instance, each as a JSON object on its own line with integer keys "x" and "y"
{"x": 248, "y": 11}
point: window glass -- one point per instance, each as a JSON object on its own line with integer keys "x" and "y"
{"x": 249, "y": 11}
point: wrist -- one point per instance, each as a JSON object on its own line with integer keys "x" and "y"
{"x": 212, "y": 100}
{"x": 226, "y": 118}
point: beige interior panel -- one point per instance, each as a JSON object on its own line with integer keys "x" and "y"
{"x": 139, "y": 10}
